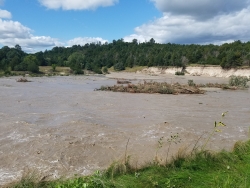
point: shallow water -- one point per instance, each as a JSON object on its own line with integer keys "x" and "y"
{"x": 60, "y": 126}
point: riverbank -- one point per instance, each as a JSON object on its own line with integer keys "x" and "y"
{"x": 212, "y": 71}
{"x": 203, "y": 169}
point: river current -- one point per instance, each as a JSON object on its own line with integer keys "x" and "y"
{"x": 60, "y": 126}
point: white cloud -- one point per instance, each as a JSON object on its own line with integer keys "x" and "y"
{"x": 187, "y": 29}
{"x": 85, "y": 40}
{"x": 201, "y": 9}
{"x": 12, "y": 33}
{"x": 5, "y": 14}
{"x": 77, "y": 4}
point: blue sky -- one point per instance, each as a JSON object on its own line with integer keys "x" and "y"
{"x": 42, "y": 24}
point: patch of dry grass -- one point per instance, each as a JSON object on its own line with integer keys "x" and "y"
{"x": 59, "y": 70}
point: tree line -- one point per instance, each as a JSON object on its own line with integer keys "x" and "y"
{"x": 120, "y": 54}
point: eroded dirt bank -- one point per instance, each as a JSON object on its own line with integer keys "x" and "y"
{"x": 214, "y": 71}
{"x": 60, "y": 126}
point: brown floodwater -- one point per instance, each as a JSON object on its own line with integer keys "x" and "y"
{"x": 61, "y": 126}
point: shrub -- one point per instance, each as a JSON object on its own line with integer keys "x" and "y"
{"x": 97, "y": 70}
{"x": 191, "y": 83}
{"x": 238, "y": 81}
{"x": 33, "y": 67}
{"x": 53, "y": 67}
{"x": 105, "y": 70}
{"x": 179, "y": 73}
{"x": 78, "y": 71}
{"x": 119, "y": 66}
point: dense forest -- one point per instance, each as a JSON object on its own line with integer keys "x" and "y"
{"x": 122, "y": 54}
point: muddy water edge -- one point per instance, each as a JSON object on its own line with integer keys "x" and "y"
{"x": 60, "y": 126}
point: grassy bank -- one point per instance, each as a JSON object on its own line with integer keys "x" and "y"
{"x": 199, "y": 169}
{"x": 43, "y": 71}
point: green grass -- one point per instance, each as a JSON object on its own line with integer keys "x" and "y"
{"x": 201, "y": 169}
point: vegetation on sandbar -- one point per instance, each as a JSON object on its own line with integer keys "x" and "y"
{"x": 234, "y": 83}
{"x": 154, "y": 87}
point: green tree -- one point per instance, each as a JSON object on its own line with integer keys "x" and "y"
{"x": 53, "y": 66}
{"x": 14, "y": 62}
{"x": 152, "y": 41}
{"x": 4, "y": 64}
{"x": 76, "y": 62}
{"x": 119, "y": 66}
{"x": 247, "y": 58}
{"x": 18, "y": 47}
{"x": 40, "y": 58}
{"x": 31, "y": 63}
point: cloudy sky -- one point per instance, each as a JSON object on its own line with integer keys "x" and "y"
{"x": 37, "y": 25}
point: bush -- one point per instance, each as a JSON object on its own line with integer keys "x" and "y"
{"x": 191, "y": 83}
{"x": 78, "y": 71}
{"x": 238, "y": 81}
{"x": 119, "y": 66}
{"x": 97, "y": 70}
{"x": 33, "y": 67}
{"x": 53, "y": 67}
{"x": 179, "y": 73}
{"x": 105, "y": 70}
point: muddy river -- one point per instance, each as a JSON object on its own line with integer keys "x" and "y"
{"x": 61, "y": 126}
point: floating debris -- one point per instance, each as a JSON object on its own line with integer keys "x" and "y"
{"x": 22, "y": 80}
